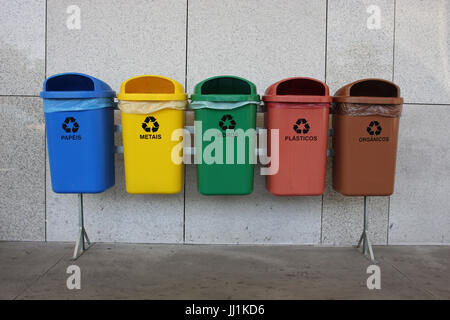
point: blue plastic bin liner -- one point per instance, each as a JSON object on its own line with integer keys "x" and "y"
{"x": 58, "y": 105}
{"x": 79, "y": 117}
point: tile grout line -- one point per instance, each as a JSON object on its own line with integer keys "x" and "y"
{"x": 410, "y": 280}
{"x": 404, "y": 103}
{"x": 38, "y": 278}
{"x": 426, "y": 103}
{"x": 45, "y": 130}
{"x": 326, "y": 39}
{"x": 45, "y": 38}
{"x": 18, "y": 96}
{"x": 388, "y": 220}
{"x": 393, "y": 78}
{"x": 321, "y": 223}
{"x": 393, "y": 43}
{"x": 185, "y": 86}
{"x": 186, "y": 44}
{"x": 326, "y": 57}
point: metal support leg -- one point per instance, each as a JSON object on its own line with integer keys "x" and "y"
{"x": 364, "y": 240}
{"x": 81, "y": 245}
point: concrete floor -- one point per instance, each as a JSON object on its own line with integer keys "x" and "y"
{"x": 131, "y": 271}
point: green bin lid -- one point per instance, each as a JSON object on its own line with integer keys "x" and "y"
{"x": 225, "y": 88}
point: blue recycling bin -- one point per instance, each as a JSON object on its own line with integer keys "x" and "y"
{"x": 79, "y": 118}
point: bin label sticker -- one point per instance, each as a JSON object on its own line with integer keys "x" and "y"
{"x": 374, "y": 129}
{"x": 70, "y": 125}
{"x": 151, "y": 126}
{"x": 301, "y": 127}
{"x": 227, "y": 122}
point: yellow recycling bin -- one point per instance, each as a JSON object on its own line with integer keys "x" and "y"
{"x": 152, "y": 108}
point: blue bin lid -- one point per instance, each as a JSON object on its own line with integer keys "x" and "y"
{"x": 75, "y": 86}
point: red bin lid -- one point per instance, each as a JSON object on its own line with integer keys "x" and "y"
{"x": 369, "y": 91}
{"x": 299, "y": 90}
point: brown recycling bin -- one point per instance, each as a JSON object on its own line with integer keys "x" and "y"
{"x": 366, "y": 116}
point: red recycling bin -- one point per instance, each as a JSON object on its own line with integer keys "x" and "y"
{"x": 299, "y": 108}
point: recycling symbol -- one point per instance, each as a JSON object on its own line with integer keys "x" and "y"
{"x": 150, "y": 124}
{"x": 301, "y": 123}
{"x": 70, "y": 125}
{"x": 227, "y": 122}
{"x": 374, "y": 128}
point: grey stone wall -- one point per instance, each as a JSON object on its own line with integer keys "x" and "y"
{"x": 264, "y": 41}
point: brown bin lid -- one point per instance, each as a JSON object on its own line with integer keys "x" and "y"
{"x": 300, "y": 90}
{"x": 370, "y": 91}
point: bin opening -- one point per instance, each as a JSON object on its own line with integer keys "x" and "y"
{"x": 374, "y": 88}
{"x": 301, "y": 87}
{"x": 150, "y": 84}
{"x": 226, "y": 85}
{"x": 69, "y": 82}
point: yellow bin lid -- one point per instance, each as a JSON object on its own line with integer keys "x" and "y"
{"x": 150, "y": 87}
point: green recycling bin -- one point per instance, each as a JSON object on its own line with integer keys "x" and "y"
{"x": 225, "y": 135}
